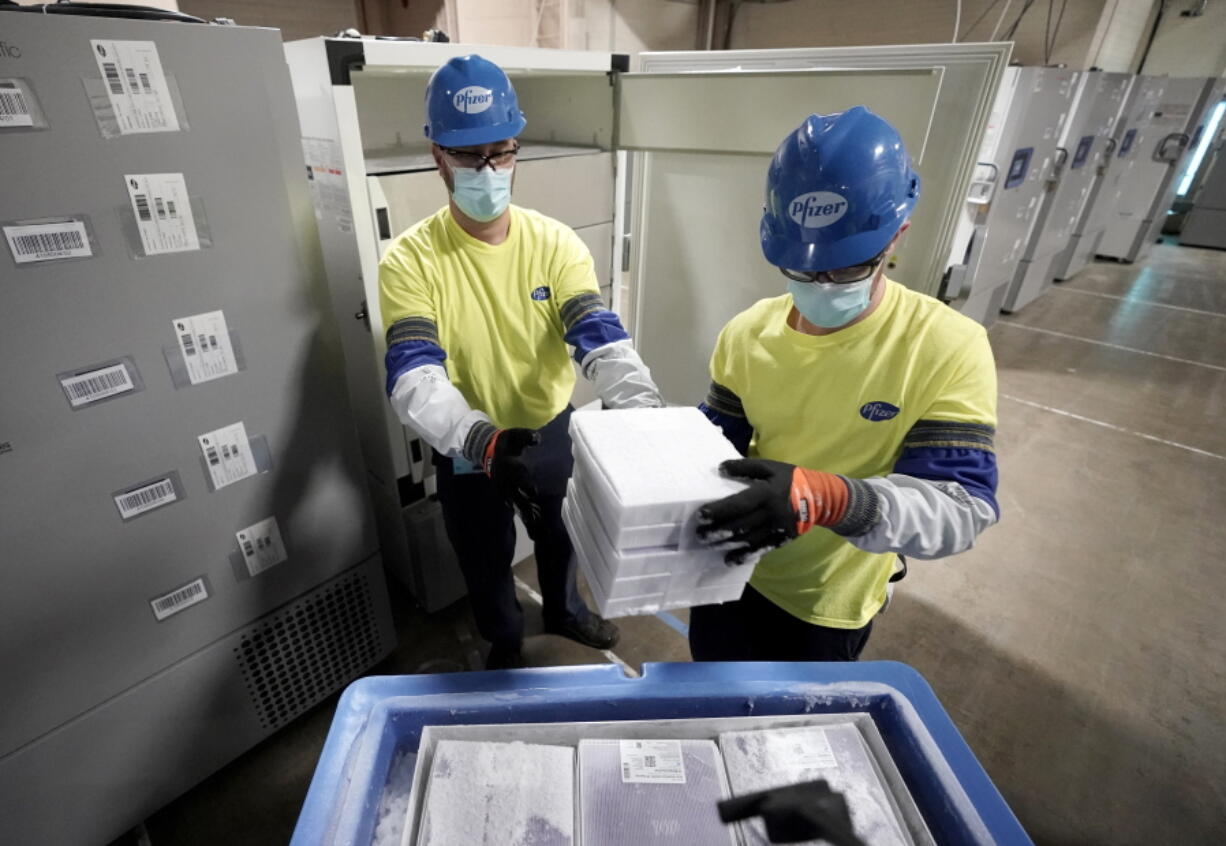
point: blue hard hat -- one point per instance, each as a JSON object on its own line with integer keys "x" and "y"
{"x": 838, "y": 190}
{"x": 470, "y": 101}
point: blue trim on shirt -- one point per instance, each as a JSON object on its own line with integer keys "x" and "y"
{"x": 408, "y": 355}
{"x": 973, "y": 469}
{"x": 593, "y": 331}
{"x": 736, "y": 429}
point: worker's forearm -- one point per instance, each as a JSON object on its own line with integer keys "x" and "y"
{"x": 426, "y": 401}
{"x": 915, "y": 517}
{"x": 620, "y": 377}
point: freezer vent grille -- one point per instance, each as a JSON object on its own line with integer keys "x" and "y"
{"x": 295, "y": 658}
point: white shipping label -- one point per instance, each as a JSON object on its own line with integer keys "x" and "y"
{"x": 47, "y": 241}
{"x": 261, "y": 545}
{"x": 799, "y": 750}
{"x": 652, "y": 762}
{"x": 146, "y": 498}
{"x": 163, "y": 212}
{"x": 204, "y": 340}
{"x": 136, "y": 85}
{"x": 14, "y": 110}
{"x": 227, "y": 453}
{"x": 175, "y": 601}
{"x": 99, "y": 384}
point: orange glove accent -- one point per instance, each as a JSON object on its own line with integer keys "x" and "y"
{"x": 819, "y": 499}
{"x": 487, "y": 461}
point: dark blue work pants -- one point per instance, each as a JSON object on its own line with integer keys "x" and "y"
{"x": 481, "y": 529}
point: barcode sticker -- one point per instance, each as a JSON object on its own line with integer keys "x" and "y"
{"x": 146, "y": 498}
{"x": 175, "y": 601}
{"x": 14, "y": 110}
{"x": 94, "y": 385}
{"x": 799, "y": 749}
{"x": 62, "y": 239}
{"x": 151, "y": 195}
{"x": 136, "y": 86}
{"x": 652, "y": 762}
{"x": 227, "y": 453}
{"x": 261, "y": 545}
{"x": 204, "y": 340}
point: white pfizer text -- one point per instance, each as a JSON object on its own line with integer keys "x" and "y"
{"x": 473, "y": 100}
{"x": 817, "y": 209}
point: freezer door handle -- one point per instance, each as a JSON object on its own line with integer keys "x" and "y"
{"x": 1163, "y": 156}
{"x": 362, "y": 314}
{"x": 1105, "y": 158}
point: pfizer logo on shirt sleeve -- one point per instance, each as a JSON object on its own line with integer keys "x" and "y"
{"x": 473, "y": 100}
{"x": 817, "y": 209}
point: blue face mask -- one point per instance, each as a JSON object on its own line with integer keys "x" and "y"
{"x": 828, "y": 305}
{"x": 482, "y": 194}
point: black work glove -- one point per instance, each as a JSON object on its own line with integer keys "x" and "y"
{"x": 796, "y": 813}
{"x": 505, "y": 466}
{"x": 782, "y": 502}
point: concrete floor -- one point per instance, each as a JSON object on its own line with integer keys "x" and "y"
{"x": 1079, "y": 647}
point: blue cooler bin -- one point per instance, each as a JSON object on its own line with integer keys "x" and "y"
{"x": 382, "y": 716}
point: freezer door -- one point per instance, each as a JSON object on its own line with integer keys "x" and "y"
{"x": 1161, "y": 123}
{"x": 703, "y": 137}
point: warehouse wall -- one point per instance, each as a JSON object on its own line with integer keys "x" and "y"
{"x": 1190, "y": 46}
{"x": 634, "y": 26}
{"x": 170, "y": 5}
{"x": 295, "y": 18}
{"x": 1127, "y": 24}
{"x": 825, "y": 23}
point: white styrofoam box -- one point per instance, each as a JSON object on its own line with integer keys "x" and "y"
{"x": 619, "y": 596}
{"x": 584, "y": 538}
{"x": 761, "y": 760}
{"x": 516, "y": 793}
{"x": 629, "y": 601}
{"x": 646, "y": 792}
{"x": 626, "y": 537}
{"x": 643, "y": 561}
{"x": 651, "y": 466}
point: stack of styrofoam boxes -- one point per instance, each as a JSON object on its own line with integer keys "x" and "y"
{"x": 631, "y": 509}
{"x": 837, "y": 753}
{"x": 651, "y": 792}
{"x": 517, "y": 794}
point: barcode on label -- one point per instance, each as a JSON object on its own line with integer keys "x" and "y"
{"x": 170, "y": 204}
{"x": 12, "y": 104}
{"x": 184, "y": 597}
{"x": 142, "y": 207}
{"x": 112, "y": 77}
{"x": 161, "y": 207}
{"x": 144, "y": 83}
{"x": 649, "y": 760}
{"x": 146, "y": 498}
{"x": 48, "y": 242}
{"x": 189, "y": 344}
{"x": 212, "y": 454}
{"x": 33, "y": 242}
{"x": 85, "y": 388}
{"x": 131, "y": 80}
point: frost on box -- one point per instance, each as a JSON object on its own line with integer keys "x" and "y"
{"x": 761, "y": 760}
{"x": 499, "y": 794}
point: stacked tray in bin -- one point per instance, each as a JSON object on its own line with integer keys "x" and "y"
{"x": 631, "y": 509}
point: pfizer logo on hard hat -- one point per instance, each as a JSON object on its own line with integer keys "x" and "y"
{"x": 817, "y": 209}
{"x": 473, "y": 100}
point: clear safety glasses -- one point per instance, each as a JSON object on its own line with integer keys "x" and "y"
{"x": 838, "y": 276}
{"x": 476, "y": 161}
